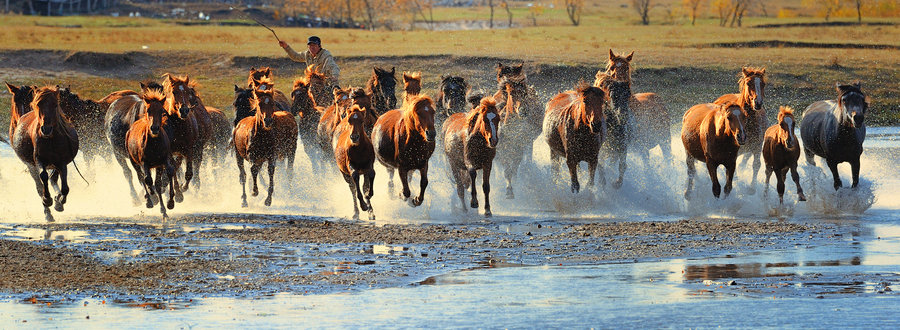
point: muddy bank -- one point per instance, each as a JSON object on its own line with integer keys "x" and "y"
{"x": 249, "y": 255}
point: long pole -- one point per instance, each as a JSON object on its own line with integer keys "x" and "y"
{"x": 270, "y": 29}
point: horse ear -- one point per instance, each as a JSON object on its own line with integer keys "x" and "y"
{"x": 837, "y": 86}
{"x": 720, "y": 121}
{"x": 858, "y": 85}
{"x": 763, "y": 71}
{"x": 335, "y": 90}
{"x": 12, "y": 88}
{"x": 630, "y": 56}
{"x": 252, "y": 68}
{"x": 237, "y": 89}
{"x": 392, "y": 70}
{"x": 745, "y": 71}
{"x": 499, "y": 66}
{"x": 612, "y": 56}
{"x": 143, "y": 87}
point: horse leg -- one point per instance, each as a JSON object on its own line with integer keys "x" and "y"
{"x": 359, "y": 191}
{"x": 170, "y": 179}
{"x": 554, "y": 165}
{"x": 254, "y": 174}
{"x": 622, "y": 166}
{"x": 714, "y": 177}
{"x": 573, "y": 173}
{"x": 834, "y": 172}
{"x": 691, "y": 173}
{"x": 127, "y": 172}
{"x": 769, "y": 171}
{"x": 191, "y": 166}
{"x": 510, "y": 173}
{"x": 423, "y": 183}
{"x": 729, "y": 177}
{"x": 157, "y": 187}
{"x": 486, "y": 188}
{"x": 854, "y": 169}
{"x": 179, "y": 196}
{"x": 810, "y": 157}
{"x": 390, "y": 171}
{"x": 45, "y": 192}
{"x": 473, "y": 203}
{"x": 460, "y": 176}
{"x": 62, "y": 173}
{"x": 197, "y": 161}
{"x": 796, "y": 176}
{"x": 349, "y": 180}
{"x": 404, "y": 182}
{"x": 367, "y": 186}
{"x": 592, "y": 168}
{"x": 54, "y": 180}
{"x": 37, "y": 184}
{"x": 271, "y": 164}
{"x": 757, "y": 163}
{"x": 242, "y": 176}
{"x": 149, "y": 187}
{"x": 780, "y": 176}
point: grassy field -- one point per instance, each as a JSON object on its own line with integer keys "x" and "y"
{"x": 678, "y": 61}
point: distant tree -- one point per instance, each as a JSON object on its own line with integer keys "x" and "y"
{"x": 722, "y": 9}
{"x": 643, "y": 9}
{"x": 693, "y": 7}
{"x": 825, "y": 7}
{"x": 738, "y": 10}
{"x": 859, "y": 5}
{"x": 505, "y": 5}
{"x": 491, "y": 22}
{"x": 573, "y": 10}
{"x": 535, "y": 11}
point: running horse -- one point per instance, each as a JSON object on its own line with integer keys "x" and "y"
{"x": 284, "y": 104}
{"x": 20, "y": 105}
{"x": 332, "y": 117}
{"x": 470, "y": 142}
{"x": 381, "y": 86}
{"x": 355, "y": 157}
{"x": 451, "y": 97}
{"x": 44, "y": 139}
{"x": 87, "y": 117}
{"x": 264, "y": 137}
{"x": 149, "y": 147}
{"x": 780, "y": 151}
{"x": 520, "y": 112}
{"x": 404, "y": 141}
{"x": 713, "y": 133}
{"x": 575, "y": 127}
{"x": 412, "y": 85}
{"x": 835, "y": 130}
{"x": 645, "y": 121}
{"x": 751, "y": 97}
{"x": 308, "y": 115}
{"x": 178, "y": 90}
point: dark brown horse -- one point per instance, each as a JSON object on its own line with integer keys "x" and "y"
{"x": 575, "y": 126}
{"x": 220, "y": 141}
{"x": 451, "y": 97}
{"x": 148, "y": 146}
{"x": 331, "y": 117}
{"x": 404, "y": 140}
{"x": 781, "y": 150}
{"x": 319, "y": 88}
{"x": 355, "y": 157}
{"x": 184, "y": 128}
{"x": 521, "y": 115}
{"x": 412, "y": 85}
{"x": 284, "y": 104}
{"x": 835, "y": 130}
{"x": 87, "y": 117}
{"x": 381, "y": 85}
{"x": 470, "y": 142}
{"x": 712, "y": 133}
{"x": 20, "y": 104}
{"x": 308, "y": 116}
{"x": 265, "y": 137}
{"x": 44, "y": 139}
{"x": 751, "y": 98}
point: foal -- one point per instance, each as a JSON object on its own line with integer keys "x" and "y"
{"x": 780, "y": 151}
{"x": 470, "y": 142}
{"x": 355, "y": 157}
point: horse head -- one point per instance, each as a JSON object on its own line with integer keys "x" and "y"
{"x": 593, "y": 101}
{"x": 342, "y": 100}
{"x": 155, "y": 109}
{"x": 301, "y": 98}
{"x": 787, "y": 122}
{"x": 512, "y": 72}
{"x": 263, "y": 102}
{"x": 318, "y": 87}
{"x": 619, "y": 67}
{"x": 484, "y": 120}
{"x": 22, "y": 97}
{"x": 729, "y": 120}
{"x": 852, "y": 104}
{"x": 419, "y": 117}
{"x": 241, "y": 102}
{"x": 46, "y": 104}
{"x": 69, "y": 102}
{"x": 178, "y": 93}
{"x": 753, "y": 86}
{"x": 356, "y": 117}
{"x": 383, "y": 85}
{"x": 452, "y": 94}
{"x": 412, "y": 83}
{"x": 256, "y": 74}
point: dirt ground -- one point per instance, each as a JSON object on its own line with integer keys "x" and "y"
{"x": 255, "y": 255}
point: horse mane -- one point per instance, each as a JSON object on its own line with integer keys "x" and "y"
{"x": 412, "y": 75}
{"x": 577, "y": 109}
{"x": 154, "y": 95}
{"x": 265, "y": 80}
{"x": 254, "y": 101}
{"x": 167, "y": 83}
{"x": 251, "y": 80}
{"x": 720, "y": 119}
{"x": 475, "y": 113}
{"x": 411, "y": 118}
{"x": 301, "y": 81}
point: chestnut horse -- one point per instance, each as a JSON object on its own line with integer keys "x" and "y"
{"x": 470, "y": 142}
{"x": 521, "y": 115}
{"x": 381, "y": 86}
{"x": 331, "y": 117}
{"x": 575, "y": 126}
{"x": 304, "y": 106}
{"x": 647, "y": 124}
{"x": 44, "y": 139}
{"x": 148, "y": 146}
{"x": 355, "y": 157}
{"x": 181, "y": 92}
{"x": 20, "y": 104}
{"x": 752, "y": 86}
{"x": 284, "y": 104}
{"x": 265, "y": 137}
{"x": 404, "y": 140}
{"x": 451, "y": 97}
{"x": 780, "y": 151}
{"x": 712, "y": 133}
{"x": 835, "y": 130}
{"x": 412, "y": 85}
{"x": 320, "y": 90}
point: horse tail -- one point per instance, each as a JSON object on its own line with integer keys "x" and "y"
{"x": 79, "y": 173}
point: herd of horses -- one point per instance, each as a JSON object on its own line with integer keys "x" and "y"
{"x": 166, "y": 125}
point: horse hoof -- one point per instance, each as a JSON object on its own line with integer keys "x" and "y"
{"x": 509, "y": 193}
{"x": 617, "y": 184}
{"x": 363, "y": 206}
{"x": 47, "y": 201}
{"x": 473, "y": 204}
{"x": 58, "y": 207}
{"x": 149, "y": 204}
{"x": 802, "y": 197}
{"x": 488, "y": 214}
{"x": 371, "y": 215}
{"x": 254, "y": 193}
{"x": 356, "y": 216}
{"x": 244, "y": 204}
{"x": 416, "y": 202}
{"x": 687, "y": 195}
{"x": 171, "y": 204}
{"x": 49, "y": 217}
{"x": 179, "y": 198}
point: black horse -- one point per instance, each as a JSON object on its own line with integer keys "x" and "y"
{"x": 381, "y": 85}
{"x": 242, "y": 108}
{"x": 451, "y": 97}
{"x": 835, "y": 130}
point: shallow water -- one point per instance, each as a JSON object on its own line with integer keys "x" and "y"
{"x": 852, "y": 281}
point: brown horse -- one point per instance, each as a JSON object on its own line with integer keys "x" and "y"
{"x": 646, "y": 120}
{"x": 412, "y": 85}
{"x": 355, "y": 157}
{"x": 284, "y": 104}
{"x": 264, "y": 137}
{"x": 381, "y": 85}
{"x": 87, "y": 116}
{"x": 184, "y": 128}
{"x": 470, "y": 142}
{"x": 521, "y": 115}
{"x": 308, "y": 116}
{"x": 149, "y": 147}
{"x": 575, "y": 126}
{"x": 331, "y": 117}
{"x": 752, "y": 85}
{"x": 712, "y": 133}
{"x": 43, "y": 140}
{"x": 781, "y": 150}
{"x": 219, "y": 143}
{"x": 404, "y": 140}
{"x": 20, "y": 104}
{"x": 319, "y": 88}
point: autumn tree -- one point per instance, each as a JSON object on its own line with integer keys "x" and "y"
{"x": 643, "y": 9}
{"x": 693, "y": 7}
{"x": 505, "y": 5}
{"x": 535, "y": 11}
{"x": 573, "y": 9}
{"x": 859, "y": 5}
{"x": 825, "y": 7}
